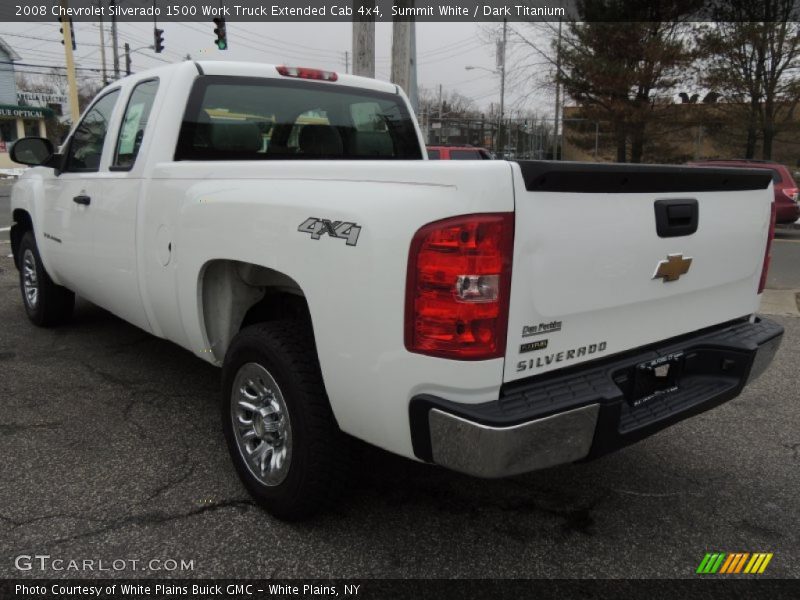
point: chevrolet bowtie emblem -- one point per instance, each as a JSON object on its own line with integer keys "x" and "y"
{"x": 672, "y": 268}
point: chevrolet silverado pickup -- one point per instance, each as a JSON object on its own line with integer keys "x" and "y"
{"x": 493, "y": 318}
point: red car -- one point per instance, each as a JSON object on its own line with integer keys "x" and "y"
{"x": 457, "y": 153}
{"x": 786, "y": 208}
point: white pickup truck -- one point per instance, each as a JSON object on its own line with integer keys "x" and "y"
{"x": 491, "y": 317}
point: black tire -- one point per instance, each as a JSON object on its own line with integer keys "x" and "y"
{"x": 52, "y": 304}
{"x": 321, "y": 454}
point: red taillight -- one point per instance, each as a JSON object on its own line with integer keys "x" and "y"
{"x": 458, "y": 285}
{"x": 306, "y": 73}
{"x": 790, "y": 193}
{"x": 765, "y": 268}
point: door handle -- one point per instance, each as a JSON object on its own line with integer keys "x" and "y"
{"x": 82, "y": 199}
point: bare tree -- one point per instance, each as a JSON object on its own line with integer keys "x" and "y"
{"x": 453, "y": 103}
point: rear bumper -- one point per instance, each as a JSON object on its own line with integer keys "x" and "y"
{"x": 592, "y": 409}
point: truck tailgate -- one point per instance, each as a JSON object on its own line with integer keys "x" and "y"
{"x": 593, "y": 277}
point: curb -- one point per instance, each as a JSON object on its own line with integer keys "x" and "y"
{"x": 780, "y": 302}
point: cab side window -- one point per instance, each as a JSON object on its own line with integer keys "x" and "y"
{"x": 86, "y": 144}
{"x": 134, "y": 124}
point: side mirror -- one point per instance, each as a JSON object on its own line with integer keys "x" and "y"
{"x": 32, "y": 151}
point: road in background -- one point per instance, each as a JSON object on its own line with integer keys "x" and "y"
{"x": 784, "y": 270}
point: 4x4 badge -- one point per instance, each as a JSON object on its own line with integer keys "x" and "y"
{"x": 672, "y": 268}
{"x": 337, "y": 229}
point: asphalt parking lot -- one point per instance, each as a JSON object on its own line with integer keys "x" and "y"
{"x": 112, "y": 449}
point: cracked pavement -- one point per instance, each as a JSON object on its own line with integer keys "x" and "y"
{"x": 111, "y": 449}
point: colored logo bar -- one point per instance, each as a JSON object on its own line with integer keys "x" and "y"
{"x": 734, "y": 563}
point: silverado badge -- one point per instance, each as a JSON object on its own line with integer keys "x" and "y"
{"x": 672, "y": 268}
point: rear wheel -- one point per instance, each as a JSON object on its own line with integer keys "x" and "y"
{"x": 46, "y": 303}
{"x": 281, "y": 433}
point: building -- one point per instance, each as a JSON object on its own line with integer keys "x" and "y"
{"x": 16, "y": 120}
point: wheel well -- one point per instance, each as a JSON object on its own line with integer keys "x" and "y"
{"x": 236, "y": 294}
{"x": 22, "y": 223}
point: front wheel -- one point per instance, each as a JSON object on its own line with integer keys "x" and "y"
{"x": 46, "y": 303}
{"x": 278, "y": 424}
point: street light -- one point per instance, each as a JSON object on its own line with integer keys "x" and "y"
{"x": 501, "y": 61}
{"x": 502, "y": 73}
{"x": 471, "y": 67}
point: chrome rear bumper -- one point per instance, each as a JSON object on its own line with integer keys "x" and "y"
{"x": 485, "y": 451}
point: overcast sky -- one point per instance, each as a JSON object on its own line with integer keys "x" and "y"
{"x": 443, "y": 50}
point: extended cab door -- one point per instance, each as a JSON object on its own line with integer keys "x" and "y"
{"x": 67, "y": 219}
{"x": 115, "y": 214}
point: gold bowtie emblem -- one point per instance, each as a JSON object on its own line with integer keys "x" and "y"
{"x": 672, "y": 268}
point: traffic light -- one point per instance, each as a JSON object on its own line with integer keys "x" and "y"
{"x": 158, "y": 40}
{"x": 71, "y": 31}
{"x": 222, "y": 34}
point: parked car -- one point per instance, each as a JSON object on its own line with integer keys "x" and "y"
{"x": 458, "y": 153}
{"x": 282, "y": 224}
{"x": 787, "y": 210}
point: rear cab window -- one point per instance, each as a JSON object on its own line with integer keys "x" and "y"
{"x": 244, "y": 118}
{"x": 434, "y": 155}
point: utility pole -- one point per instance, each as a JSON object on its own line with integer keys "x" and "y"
{"x": 127, "y": 58}
{"x": 502, "y": 89}
{"x": 114, "y": 42}
{"x": 404, "y": 65}
{"x": 363, "y": 42}
{"x": 558, "y": 93}
{"x": 103, "y": 45}
{"x": 441, "y": 112}
{"x": 72, "y": 83}
{"x": 413, "y": 92}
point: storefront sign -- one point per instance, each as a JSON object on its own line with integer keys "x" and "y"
{"x": 40, "y": 98}
{"x": 24, "y": 112}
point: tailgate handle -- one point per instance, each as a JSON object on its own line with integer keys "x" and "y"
{"x": 675, "y": 218}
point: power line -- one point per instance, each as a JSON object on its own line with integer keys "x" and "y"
{"x": 272, "y": 49}
{"x": 303, "y": 47}
{"x": 19, "y": 64}
{"x": 439, "y": 59}
{"x": 40, "y": 39}
{"x": 183, "y": 49}
{"x": 450, "y": 47}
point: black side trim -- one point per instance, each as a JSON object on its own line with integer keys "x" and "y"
{"x": 716, "y": 366}
{"x": 555, "y": 176}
